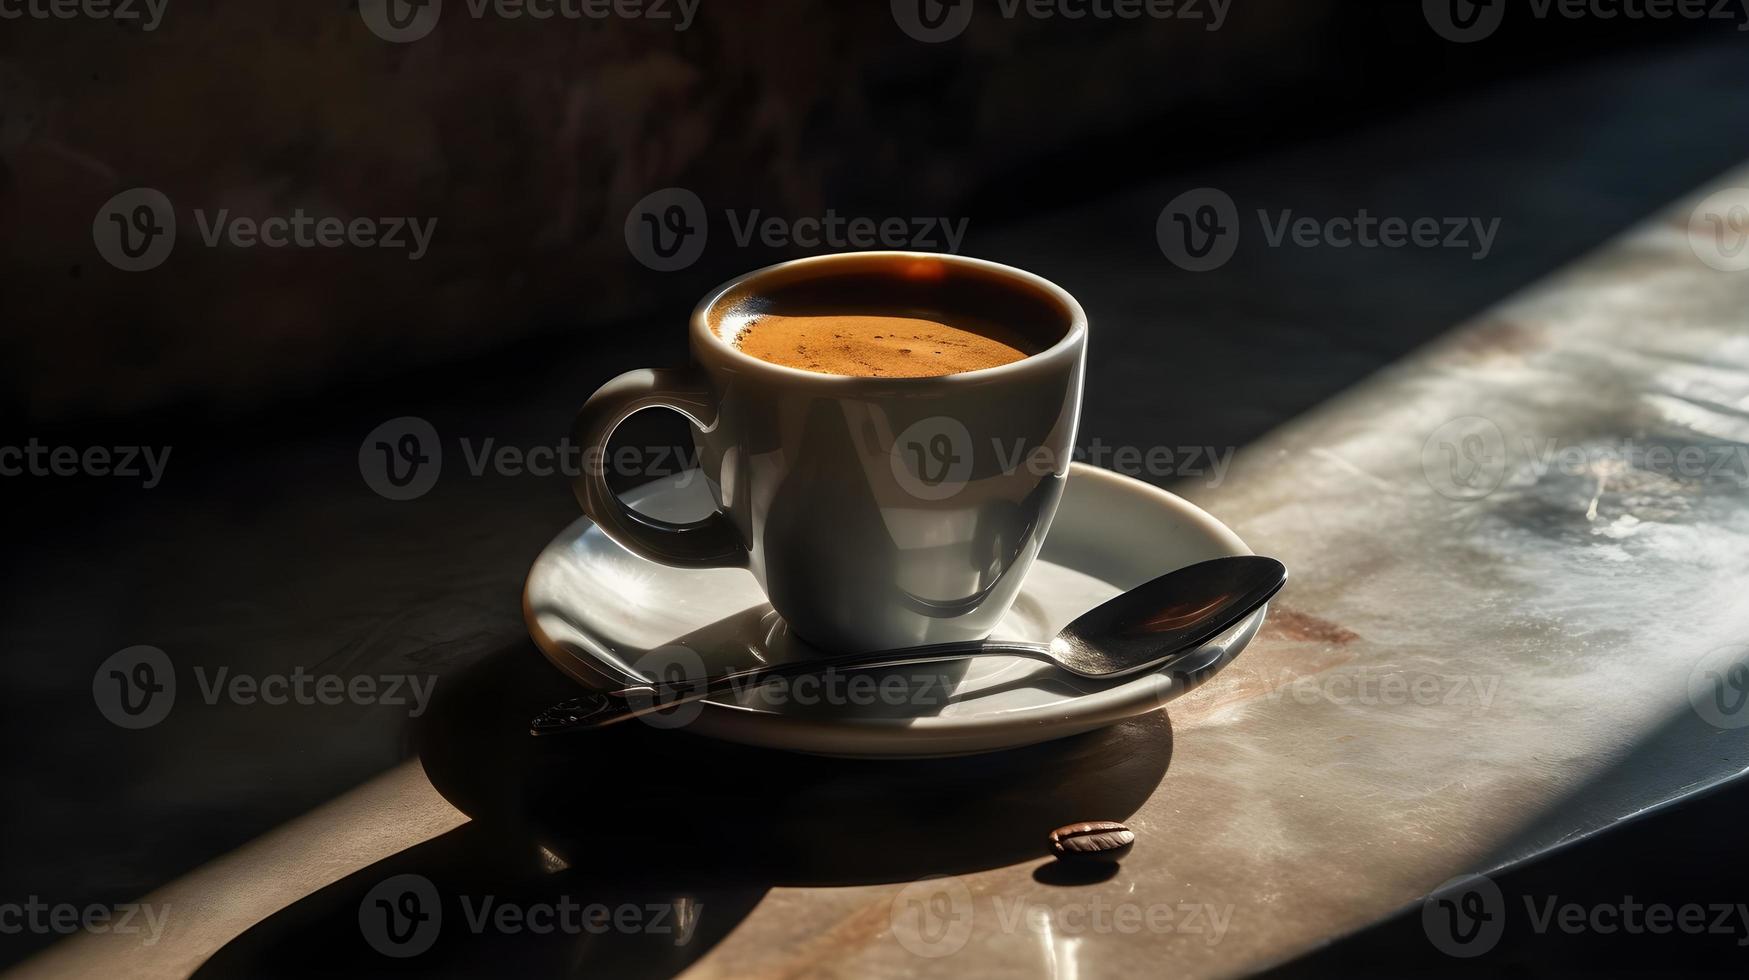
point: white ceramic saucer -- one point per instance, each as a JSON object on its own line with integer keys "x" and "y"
{"x": 596, "y": 610}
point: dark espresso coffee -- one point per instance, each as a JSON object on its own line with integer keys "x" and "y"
{"x": 873, "y": 345}
{"x": 922, "y": 320}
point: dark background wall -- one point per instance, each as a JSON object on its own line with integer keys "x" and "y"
{"x": 529, "y": 142}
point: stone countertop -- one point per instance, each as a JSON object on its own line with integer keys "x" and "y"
{"x": 1498, "y": 637}
{"x": 1477, "y": 664}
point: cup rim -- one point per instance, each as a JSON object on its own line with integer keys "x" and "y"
{"x": 705, "y": 338}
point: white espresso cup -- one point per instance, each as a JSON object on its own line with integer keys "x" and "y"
{"x": 875, "y": 512}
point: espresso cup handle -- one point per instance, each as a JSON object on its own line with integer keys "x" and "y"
{"x": 709, "y": 543}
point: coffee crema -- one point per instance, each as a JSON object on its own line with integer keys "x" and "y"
{"x": 873, "y": 317}
{"x": 874, "y": 345}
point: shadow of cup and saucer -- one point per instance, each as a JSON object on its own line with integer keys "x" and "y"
{"x": 645, "y": 824}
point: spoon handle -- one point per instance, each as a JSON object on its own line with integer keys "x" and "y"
{"x": 602, "y": 708}
{"x": 1157, "y": 626}
{"x": 599, "y": 709}
{"x": 747, "y": 678}
{"x": 871, "y": 660}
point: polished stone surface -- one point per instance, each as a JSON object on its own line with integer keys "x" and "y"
{"x": 1453, "y": 680}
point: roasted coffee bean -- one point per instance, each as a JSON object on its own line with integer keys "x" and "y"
{"x": 1096, "y": 840}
